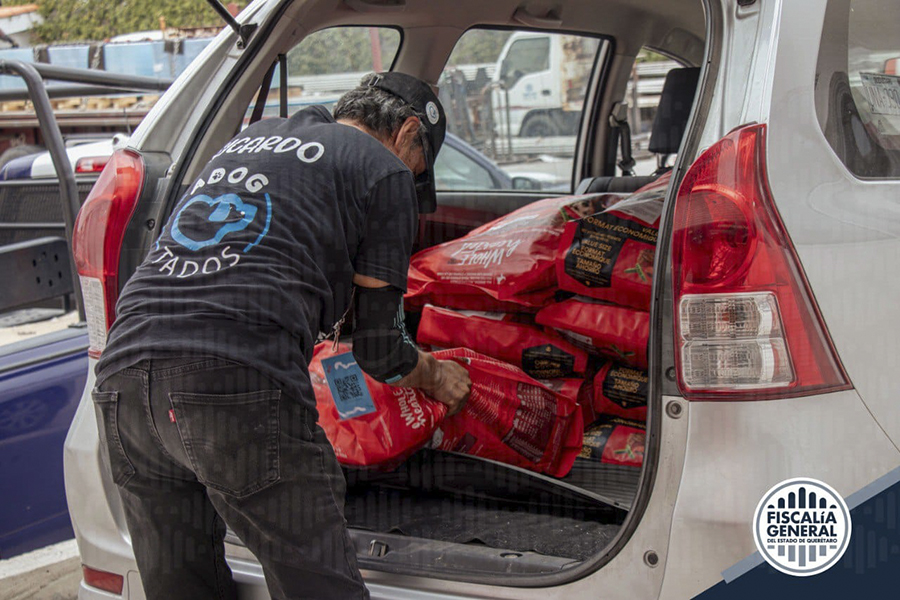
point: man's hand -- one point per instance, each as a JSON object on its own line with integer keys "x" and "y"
{"x": 452, "y": 387}
{"x": 446, "y": 381}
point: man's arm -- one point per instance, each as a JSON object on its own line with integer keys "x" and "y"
{"x": 384, "y": 350}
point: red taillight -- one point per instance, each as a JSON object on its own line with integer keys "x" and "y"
{"x": 91, "y": 164}
{"x": 746, "y": 323}
{"x": 108, "y": 582}
{"x": 97, "y": 240}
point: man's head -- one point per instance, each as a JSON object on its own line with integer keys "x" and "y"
{"x": 404, "y": 114}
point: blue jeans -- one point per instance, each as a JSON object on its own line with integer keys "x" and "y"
{"x": 195, "y": 444}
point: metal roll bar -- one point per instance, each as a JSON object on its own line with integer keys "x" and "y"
{"x": 34, "y": 76}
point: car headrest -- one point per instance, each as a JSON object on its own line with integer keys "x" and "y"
{"x": 675, "y": 104}
{"x": 613, "y": 185}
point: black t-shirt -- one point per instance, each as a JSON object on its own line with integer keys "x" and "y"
{"x": 258, "y": 256}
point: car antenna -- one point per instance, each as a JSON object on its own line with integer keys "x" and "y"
{"x": 243, "y": 31}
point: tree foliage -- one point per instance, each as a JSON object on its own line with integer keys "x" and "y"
{"x": 336, "y": 50}
{"x": 646, "y": 55}
{"x": 478, "y": 46}
{"x": 97, "y": 20}
{"x": 349, "y": 49}
{"x": 343, "y": 50}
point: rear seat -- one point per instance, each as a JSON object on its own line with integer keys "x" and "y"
{"x": 675, "y": 104}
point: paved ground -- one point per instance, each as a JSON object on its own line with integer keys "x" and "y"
{"x": 51, "y": 573}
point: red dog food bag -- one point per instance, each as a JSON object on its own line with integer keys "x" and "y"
{"x": 509, "y": 262}
{"x": 616, "y": 332}
{"x": 569, "y": 387}
{"x": 618, "y": 390}
{"x": 541, "y": 354}
{"x": 511, "y": 418}
{"x": 609, "y": 255}
{"x": 367, "y": 422}
{"x": 614, "y": 440}
{"x": 580, "y": 390}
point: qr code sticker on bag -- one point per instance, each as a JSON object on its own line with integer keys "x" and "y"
{"x": 348, "y": 386}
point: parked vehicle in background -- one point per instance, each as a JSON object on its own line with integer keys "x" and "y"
{"x": 87, "y": 155}
{"x": 540, "y": 81}
{"x": 460, "y": 166}
{"x": 773, "y": 330}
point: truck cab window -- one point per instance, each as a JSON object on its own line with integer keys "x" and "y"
{"x": 525, "y": 56}
{"x": 514, "y": 99}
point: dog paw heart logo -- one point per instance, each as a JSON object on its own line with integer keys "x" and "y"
{"x": 215, "y": 218}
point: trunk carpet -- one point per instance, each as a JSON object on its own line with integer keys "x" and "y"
{"x": 574, "y": 533}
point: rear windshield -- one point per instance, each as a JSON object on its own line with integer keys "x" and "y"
{"x": 858, "y": 85}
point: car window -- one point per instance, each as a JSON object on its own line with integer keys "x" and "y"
{"x": 455, "y": 170}
{"x": 516, "y": 98}
{"x": 642, "y": 96}
{"x": 858, "y": 85}
{"x": 330, "y": 62}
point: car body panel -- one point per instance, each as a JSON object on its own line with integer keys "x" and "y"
{"x": 43, "y": 164}
{"x": 831, "y": 437}
{"x": 41, "y": 382}
{"x": 455, "y": 171}
{"x": 18, "y": 168}
{"x": 846, "y": 231}
{"x": 40, "y": 164}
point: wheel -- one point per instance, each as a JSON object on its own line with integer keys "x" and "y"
{"x": 567, "y": 122}
{"x": 539, "y": 126}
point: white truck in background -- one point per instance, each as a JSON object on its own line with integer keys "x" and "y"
{"x": 540, "y": 82}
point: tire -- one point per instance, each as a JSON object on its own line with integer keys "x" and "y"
{"x": 567, "y": 122}
{"x": 539, "y": 125}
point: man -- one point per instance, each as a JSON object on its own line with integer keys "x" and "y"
{"x": 204, "y": 399}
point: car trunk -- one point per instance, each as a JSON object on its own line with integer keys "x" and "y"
{"x": 463, "y": 514}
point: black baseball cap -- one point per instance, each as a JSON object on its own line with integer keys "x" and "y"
{"x": 419, "y": 95}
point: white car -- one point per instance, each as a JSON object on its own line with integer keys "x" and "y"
{"x": 774, "y": 332}
{"x": 87, "y": 155}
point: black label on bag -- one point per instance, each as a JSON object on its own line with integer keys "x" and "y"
{"x": 547, "y": 362}
{"x": 597, "y": 435}
{"x": 626, "y": 386}
{"x": 595, "y": 440}
{"x": 596, "y": 246}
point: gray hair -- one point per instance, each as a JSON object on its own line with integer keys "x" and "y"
{"x": 378, "y": 110}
